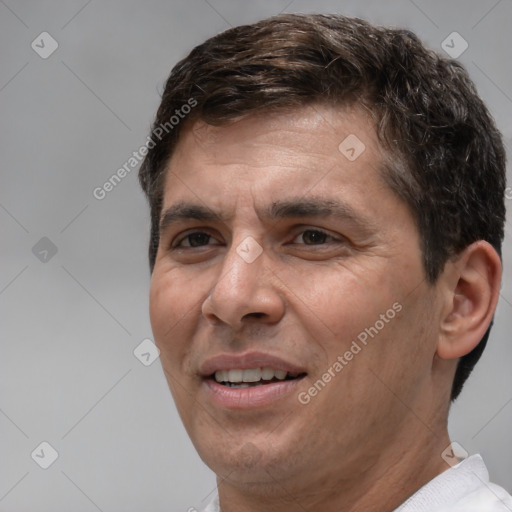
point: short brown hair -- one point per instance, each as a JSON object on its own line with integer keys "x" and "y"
{"x": 447, "y": 157}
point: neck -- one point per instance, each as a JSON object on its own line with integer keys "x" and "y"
{"x": 383, "y": 483}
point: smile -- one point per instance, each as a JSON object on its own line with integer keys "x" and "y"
{"x": 239, "y": 378}
{"x": 250, "y": 380}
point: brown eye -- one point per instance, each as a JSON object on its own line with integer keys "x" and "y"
{"x": 313, "y": 237}
{"x": 195, "y": 239}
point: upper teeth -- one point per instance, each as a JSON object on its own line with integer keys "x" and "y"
{"x": 251, "y": 375}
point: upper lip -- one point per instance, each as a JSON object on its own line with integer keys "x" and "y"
{"x": 247, "y": 361}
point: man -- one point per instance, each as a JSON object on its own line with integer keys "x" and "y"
{"x": 327, "y": 207}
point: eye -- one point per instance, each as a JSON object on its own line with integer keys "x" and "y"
{"x": 313, "y": 237}
{"x": 194, "y": 239}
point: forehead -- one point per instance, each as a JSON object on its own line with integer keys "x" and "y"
{"x": 316, "y": 149}
{"x": 316, "y": 129}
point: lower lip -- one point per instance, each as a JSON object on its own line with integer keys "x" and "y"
{"x": 249, "y": 398}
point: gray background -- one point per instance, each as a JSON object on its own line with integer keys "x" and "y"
{"x": 69, "y": 325}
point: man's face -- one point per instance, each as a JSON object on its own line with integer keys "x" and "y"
{"x": 283, "y": 254}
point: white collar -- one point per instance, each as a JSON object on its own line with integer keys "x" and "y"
{"x": 444, "y": 490}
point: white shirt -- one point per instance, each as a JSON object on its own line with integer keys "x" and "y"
{"x": 462, "y": 488}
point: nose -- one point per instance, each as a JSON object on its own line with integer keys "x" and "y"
{"x": 244, "y": 291}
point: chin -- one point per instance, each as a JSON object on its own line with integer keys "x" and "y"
{"x": 247, "y": 461}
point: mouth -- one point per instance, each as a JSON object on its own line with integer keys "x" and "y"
{"x": 253, "y": 377}
{"x": 250, "y": 381}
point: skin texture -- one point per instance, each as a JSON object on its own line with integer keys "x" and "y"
{"x": 375, "y": 433}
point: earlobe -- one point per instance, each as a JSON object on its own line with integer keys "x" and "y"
{"x": 473, "y": 290}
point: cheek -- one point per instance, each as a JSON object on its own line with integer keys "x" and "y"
{"x": 171, "y": 303}
{"x": 337, "y": 303}
{"x": 172, "y": 306}
{"x": 161, "y": 305}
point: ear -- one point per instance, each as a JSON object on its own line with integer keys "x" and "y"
{"x": 472, "y": 283}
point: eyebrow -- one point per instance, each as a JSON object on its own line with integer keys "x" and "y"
{"x": 186, "y": 211}
{"x": 291, "y": 208}
{"x": 311, "y": 207}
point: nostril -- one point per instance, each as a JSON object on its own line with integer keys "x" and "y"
{"x": 254, "y": 315}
